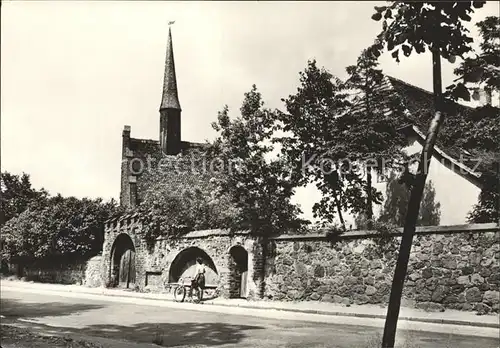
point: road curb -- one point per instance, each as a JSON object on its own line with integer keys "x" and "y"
{"x": 276, "y": 308}
{"x": 365, "y": 315}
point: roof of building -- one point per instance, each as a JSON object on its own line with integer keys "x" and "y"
{"x": 419, "y": 105}
{"x": 462, "y": 166}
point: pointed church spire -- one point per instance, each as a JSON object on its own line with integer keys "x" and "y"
{"x": 170, "y": 98}
{"x": 170, "y": 108}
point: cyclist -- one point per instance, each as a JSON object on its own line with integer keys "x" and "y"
{"x": 198, "y": 281}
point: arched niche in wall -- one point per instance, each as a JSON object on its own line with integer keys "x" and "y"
{"x": 122, "y": 270}
{"x": 184, "y": 265}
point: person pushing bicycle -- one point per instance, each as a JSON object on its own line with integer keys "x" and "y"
{"x": 198, "y": 281}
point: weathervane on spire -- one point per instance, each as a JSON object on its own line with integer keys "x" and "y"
{"x": 170, "y": 23}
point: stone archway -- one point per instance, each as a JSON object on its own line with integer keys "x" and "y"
{"x": 184, "y": 264}
{"x": 122, "y": 273}
{"x": 238, "y": 272}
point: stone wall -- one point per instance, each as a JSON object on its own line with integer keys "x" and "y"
{"x": 128, "y": 225}
{"x": 155, "y": 266}
{"x": 92, "y": 276}
{"x": 216, "y": 244}
{"x": 60, "y": 273}
{"x": 456, "y": 269}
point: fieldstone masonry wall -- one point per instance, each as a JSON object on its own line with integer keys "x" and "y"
{"x": 454, "y": 270}
{"x": 454, "y": 267}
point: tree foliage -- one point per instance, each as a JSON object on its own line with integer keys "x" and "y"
{"x": 171, "y": 213}
{"x": 417, "y": 26}
{"x": 259, "y": 187}
{"x": 339, "y": 129}
{"x": 308, "y": 126}
{"x": 487, "y": 208}
{"x": 438, "y": 27}
{"x": 57, "y": 227}
{"x": 483, "y": 68}
{"x": 370, "y": 129}
{"x": 16, "y": 195}
{"x": 396, "y": 204}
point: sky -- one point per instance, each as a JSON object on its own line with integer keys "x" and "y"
{"x": 73, "y": 73}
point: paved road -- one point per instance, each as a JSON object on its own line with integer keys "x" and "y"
{"x": 184, "y": 328}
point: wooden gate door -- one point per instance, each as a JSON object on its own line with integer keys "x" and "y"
{"x": 131, "y": 273}
{"x": 243, "y": 285}
{"x": 127, "y": 269}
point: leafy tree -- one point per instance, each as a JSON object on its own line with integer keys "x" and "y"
{"x": 396, "y": 204}
{"x": 439, "y": 27}
{"x": 16, "y": 195}
{"x": 260, "y": 188}
{"x": 369, "y": 130}
{"x": 429, "y": 214}
{"x": 352, "y": 126}
{"x": 487, "y": 209}
{"x": 307, "y": 145}
{"x": 482, "y": 69}
{"x": 479, "y": 131}
{"x": 56, "y": 228}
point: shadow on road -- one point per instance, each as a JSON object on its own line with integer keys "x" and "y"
{"x": 175, "y": 334}
{"x": 15, "y": 309}
{"x": 163, "y": 334}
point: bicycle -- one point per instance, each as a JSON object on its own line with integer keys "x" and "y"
{"x": 183, "y": 287}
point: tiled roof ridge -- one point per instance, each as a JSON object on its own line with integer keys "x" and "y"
{"x": 442, "y": 153}
{"x": 423, "y": 90}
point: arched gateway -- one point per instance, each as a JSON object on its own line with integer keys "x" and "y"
{"x": 184, "y": 265}
{"x": 123, "y": 262}
{"x": 238, "y": 268}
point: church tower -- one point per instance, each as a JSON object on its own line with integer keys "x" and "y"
{"x": 170, "y": 108}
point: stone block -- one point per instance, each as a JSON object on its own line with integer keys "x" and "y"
{"x": 463, "y": 280}
{"x": 369, "y": 280}
{"x": 491, "y": 297}
{"x": 439, "y": 293}
{"x": 327, "y": 298}
{"x": 360, "y": 299}
{"x": 338, "y": 280}
{"x": 427, "y": 272}
{"x": 473, "y": 295}
{"x": 476, "y": 279}
{"x": 430, "y": 306}
{"x": 315, "y": 296}
{"x": 319, "y": 271}
{"x": 467, "y": 270}
{"x": 482, "y": 308}
{"x": 414, "y": 276}
{"x": 370, "y": 290}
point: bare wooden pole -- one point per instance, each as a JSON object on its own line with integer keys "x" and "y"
{"x": 391, "y": 320}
